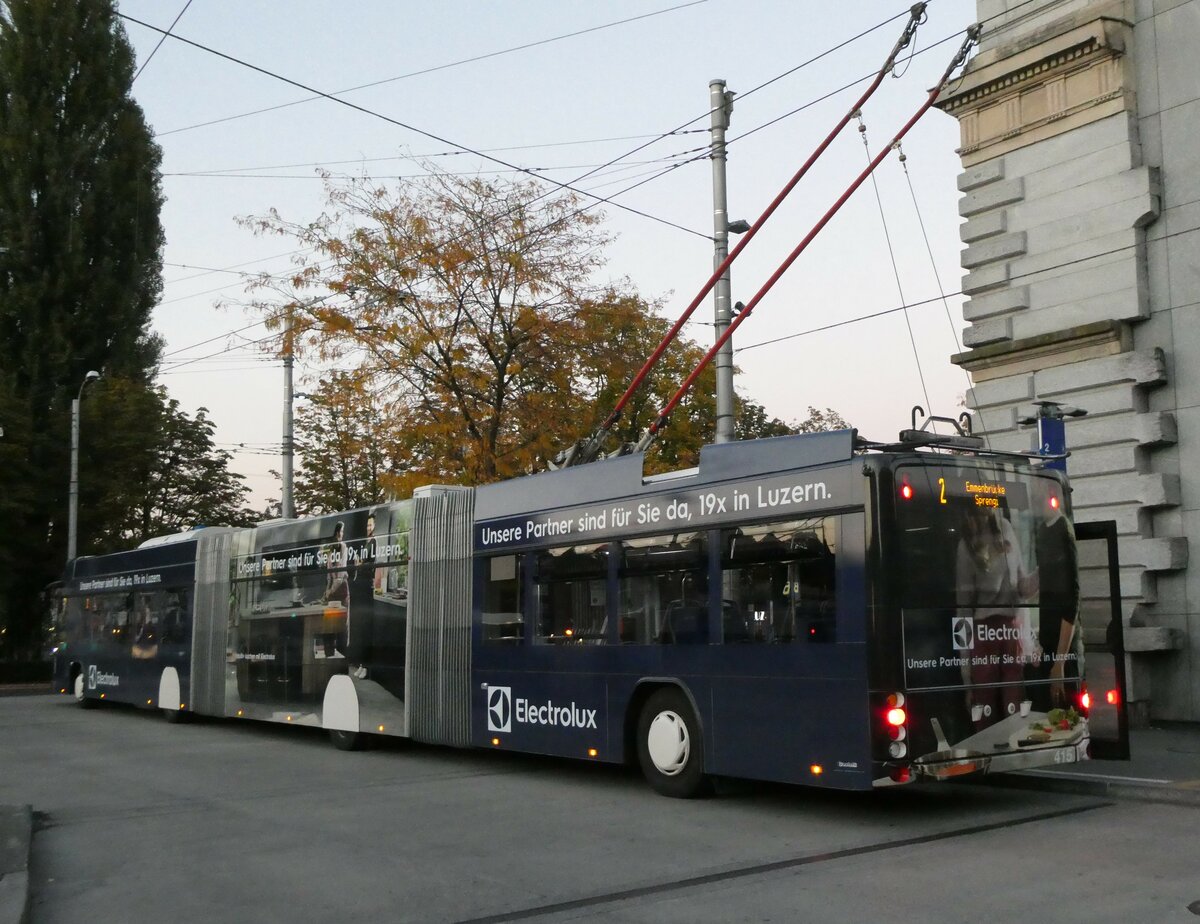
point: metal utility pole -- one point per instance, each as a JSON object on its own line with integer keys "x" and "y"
{"x": 721, "y": 103}
{"x": 287, "y": 506}
{"x": 73, "y": 502}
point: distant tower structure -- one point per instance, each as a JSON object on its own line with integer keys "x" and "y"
{"x": 1080, "y": 146}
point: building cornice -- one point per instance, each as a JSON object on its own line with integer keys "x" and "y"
{"x": 1066, "y": 80}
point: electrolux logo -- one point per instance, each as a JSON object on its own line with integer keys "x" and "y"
{"x": 97, "y": 678}
{"x": 499, "y": 709}
{"x": 502, "y": 710}
{"x": 963, "y": 632}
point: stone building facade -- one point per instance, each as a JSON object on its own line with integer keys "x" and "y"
{"x": 1080, "y": 147}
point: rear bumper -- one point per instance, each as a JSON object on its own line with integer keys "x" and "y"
{"x": 1029, "y": 758}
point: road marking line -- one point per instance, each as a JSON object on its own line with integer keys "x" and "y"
{"x": 1103, "y": 776}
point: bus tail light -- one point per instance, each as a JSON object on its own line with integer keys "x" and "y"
{"x": 906, "y": 491}
{"x": 1112, "y": 698}
{"x": 895, "y": 719}
{"x": 1085, "y": 701}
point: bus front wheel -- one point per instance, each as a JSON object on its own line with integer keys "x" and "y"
{"x": 670, "y": 747}
{"x": 80, "y": 697}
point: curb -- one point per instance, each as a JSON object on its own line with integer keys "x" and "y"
{"x": 16, "y": 837}
{"x": 1165, "y": 793}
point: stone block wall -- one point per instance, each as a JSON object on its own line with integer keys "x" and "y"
{"x": 1080, "y": 127}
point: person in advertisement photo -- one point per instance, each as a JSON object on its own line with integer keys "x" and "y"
{"x": 337, "y": 589}
{"x": 360, "y": 624}
{"x": 991, "y": 583}
{"x": 1059, "y": 652}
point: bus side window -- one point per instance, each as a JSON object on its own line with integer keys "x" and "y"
{"x": 502, "y": 612}
{"x": 572, "y": 595}
{"x": 114, "y": 611}
{"x": 664, "y": 590}
{"x": 777, "y": 582}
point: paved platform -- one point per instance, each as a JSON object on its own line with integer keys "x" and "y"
{"x": 1164, "y": 766}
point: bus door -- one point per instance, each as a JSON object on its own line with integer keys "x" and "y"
{"x": 1102, "y": 638}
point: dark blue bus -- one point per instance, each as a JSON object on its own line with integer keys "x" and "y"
{"x": 797, "y": 609}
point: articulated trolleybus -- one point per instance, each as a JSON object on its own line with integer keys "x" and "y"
{"x": 808, "y": 609}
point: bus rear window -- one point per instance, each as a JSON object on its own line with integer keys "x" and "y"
{"x": 981, "y": 537}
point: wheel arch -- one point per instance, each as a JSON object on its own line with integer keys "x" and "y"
{"x": 642, "y": 691}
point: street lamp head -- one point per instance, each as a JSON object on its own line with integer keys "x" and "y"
{"x": 91, "y": 376}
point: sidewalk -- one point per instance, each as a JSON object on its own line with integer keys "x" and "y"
{"x": 1164, "y": 766}
{"x": 16, "y": 835}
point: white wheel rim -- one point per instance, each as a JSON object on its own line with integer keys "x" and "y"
{"x": 668, "y": 743}
{"x": 79, "y": 686}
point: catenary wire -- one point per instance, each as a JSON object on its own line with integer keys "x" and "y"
{"x": 903, "y": 159}
{"x": 412, "y": 128}
{"x": 430, "y": 70}
{"x": 928, "y": 301}
{"x": 673, "y": 131}
{"x": 887, "y": 236}
{"x": 683, "y": 127}
{"x": 161, "y": 39}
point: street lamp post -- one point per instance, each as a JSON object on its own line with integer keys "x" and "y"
{"x": 73, "y": 508}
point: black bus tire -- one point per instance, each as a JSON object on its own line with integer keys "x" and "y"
{"x": 175, "y": 716}
{"x": 80, "y": 697}
{"x": 347, "y": 740}
{"x": 670, "y": 746}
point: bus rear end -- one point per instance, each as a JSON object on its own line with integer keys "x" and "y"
{"x": 977, "y": 658}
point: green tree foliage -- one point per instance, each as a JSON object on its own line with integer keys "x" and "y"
{"x": 172, "y": 476}
{"x": 348, "y": 448}
{"x": 819, "y": 421}
{"x": 80, "y": 261}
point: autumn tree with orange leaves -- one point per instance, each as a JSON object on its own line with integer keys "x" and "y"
{"x": 465, "y": 314}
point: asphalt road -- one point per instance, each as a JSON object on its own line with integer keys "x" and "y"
{"x": 139, "y": 820}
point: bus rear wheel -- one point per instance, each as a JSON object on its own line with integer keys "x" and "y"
{"x": 670, "y": 746}
{"x": 347, "y": 740}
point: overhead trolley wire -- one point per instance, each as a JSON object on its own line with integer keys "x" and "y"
{"x": 887, "y": 236}
{"x": 865, "y": 77}
{"x": 412, "y": 128}
{"x": 431, "y": 70}
{"x": 937, "y": 298}
{"x": 903, "y": 159}
{"x": 456, "y": 153}
{"x": 538, "y": 171}
{"x": 675, "y": 131}
{"x": 958, "y": 60}
{"x": 161, "y": 39}
{"x": 588, "y": 449}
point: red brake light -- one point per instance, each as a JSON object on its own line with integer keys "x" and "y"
{"x": 1085, "y": 700}
{"x": 1111, "y": 697}
{"x": 1053, "y": 503}
{"x": 906, "y": 491}
{"x": 896, "y": 716}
